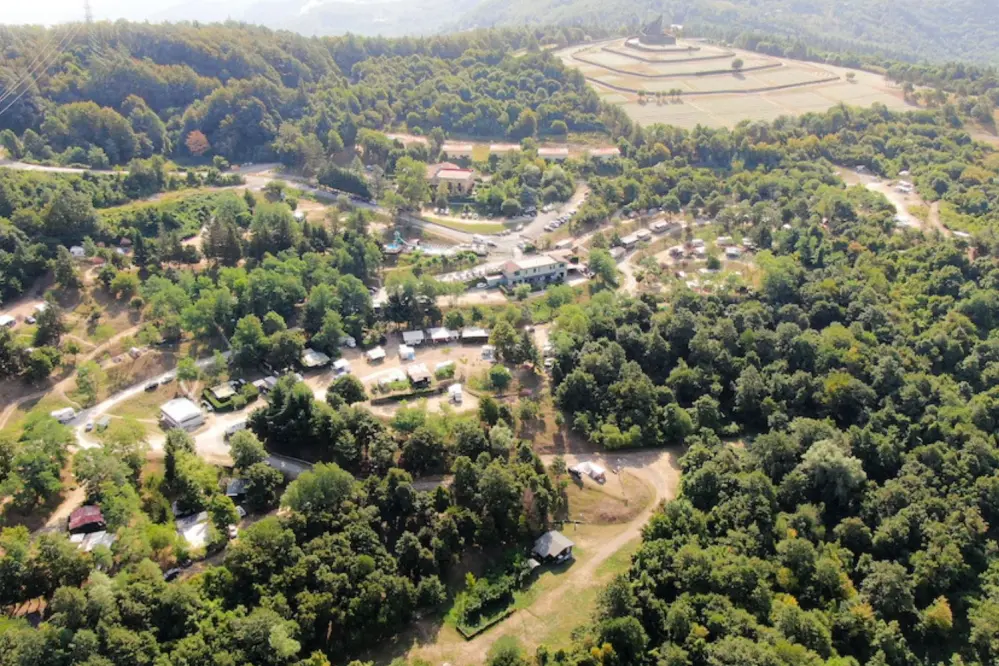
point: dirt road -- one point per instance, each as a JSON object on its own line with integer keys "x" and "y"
{"x": 900, "y": 200}
{"x": 660, "y": 469}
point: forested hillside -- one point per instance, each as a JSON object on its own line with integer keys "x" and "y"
{"x": 239, "y": 91}
{"x": 921, "y": 29}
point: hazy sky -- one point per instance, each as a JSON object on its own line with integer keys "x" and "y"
{"x": 60, "y": 11}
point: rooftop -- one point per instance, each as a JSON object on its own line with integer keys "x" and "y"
{"x": 538, "y": 261}
{"x": 223, "y": 391}
{"x": 85, "y": 516}
{"x": 314, "y": 359}
{"x": 551, "y": 544}
{"x": 418, "y": 372}
{"x": 179, "y": 410}
{"x": 455, "y": 174}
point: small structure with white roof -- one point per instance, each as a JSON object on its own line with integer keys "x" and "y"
{"x": 442, "y": 335}
{"x": 455, "y": 149}
{"x": 590, "y": 469}
{"x": 553, "y": 547}
{"x": 341, "y": 366}
{"x": 181, "y": 413}
{"x": 413, "y": 338}
{"x": 312, "y": 359}
{"x": 455, "y": 394}
{"x": 604, "y": 153}
{"x": 406, "y": 353}
{"x": 6, "y": 321}
{"x": 77, "y": 252}
{"x": 554, "y": 154}
{"x": 418, "y": 374}
{"x": 474, "y": 334}
{"x": 375, "y": 355}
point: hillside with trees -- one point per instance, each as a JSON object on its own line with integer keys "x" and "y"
{"x": 244, "y": 93}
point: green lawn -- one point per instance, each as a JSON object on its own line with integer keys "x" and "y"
{"x": 43, "y": 405}
{"x": 480, "y": 152}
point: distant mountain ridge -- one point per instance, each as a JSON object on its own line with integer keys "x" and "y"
{"x": 935, "y": 30}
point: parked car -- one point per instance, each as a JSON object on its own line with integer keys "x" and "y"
{"x": 167, "y": 379}
{"x": 233, "y": 531}
{"x": 89, "y": 426}
{"x": 171, "y": 574}
{"x": 152, "y": 386}
{"x": 30, "y": 320}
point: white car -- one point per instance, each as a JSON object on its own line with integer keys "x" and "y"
{"x": 482, "y": 285}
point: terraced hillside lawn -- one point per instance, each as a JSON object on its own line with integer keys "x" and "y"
{"x": 712, "y": 93}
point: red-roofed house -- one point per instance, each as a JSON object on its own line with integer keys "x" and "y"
{"x": 86, "y": 519}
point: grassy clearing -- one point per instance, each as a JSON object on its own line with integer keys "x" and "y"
{"x": 480, "y": 152}
{"x": 43, "y": 405}
{"x": 469, "y": 227}
{"x": 619, "y": 500}
{"x": 147, "y": 404}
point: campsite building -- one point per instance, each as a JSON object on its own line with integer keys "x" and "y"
{"x": 553, "y": 547}
{"x": 86, "y": 519}
{"x": 312, "y": 359}
{"x": 442, "y": 335}
{"x": 474, "y": 335}
{"x": 557, "y": 154}
{"x": 455, "y": 150}
{"x": 181, "y": 413}
{"x": 419, "y": 375}
{"x": 534, "y": 270}
{"x": 413, "y": 338}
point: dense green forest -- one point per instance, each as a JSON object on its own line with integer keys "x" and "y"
{"x": 920, "y": 30}
{"x": 854, "y": 524}
{"x": 836, "y": 413}
{"x": 240, "y": 92}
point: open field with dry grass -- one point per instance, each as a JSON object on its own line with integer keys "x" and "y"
{"x": 713, "y": 94}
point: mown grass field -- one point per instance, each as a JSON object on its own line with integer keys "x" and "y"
{"x": 767, "y": 89}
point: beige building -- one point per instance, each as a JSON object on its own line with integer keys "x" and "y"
{"x": 458, "y": 181}
{"x": 538, "y": 269}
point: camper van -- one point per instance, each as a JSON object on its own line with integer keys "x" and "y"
{"x": 233, "y": 429}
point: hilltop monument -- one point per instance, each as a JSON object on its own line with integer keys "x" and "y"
{"x": 654, "y": 34}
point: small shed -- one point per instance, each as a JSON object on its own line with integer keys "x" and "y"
{"x": 341, "y": 366}
{"x": 488, "y": 353}
{"x": 419, "y": 375}
{"x": 474, "y": 334}
{"x": 376, "y": 354}
{"x": 86, "y": 519}
{"x": 455, "y": 394}
{"x": 407, "y": 353}
{"x": 223, "y": 392}
{"x": 442, "y": 335}
{"x": 312, "y": 359}
{"x": 413, "y": 338}
{"x": 6, "y": 321}
{"x": 77, "y": 252}
{"x": 553, "y": 547}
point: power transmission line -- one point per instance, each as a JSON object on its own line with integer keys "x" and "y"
{"x": 45, "y": 64}
{"x": 40, "y": 63}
